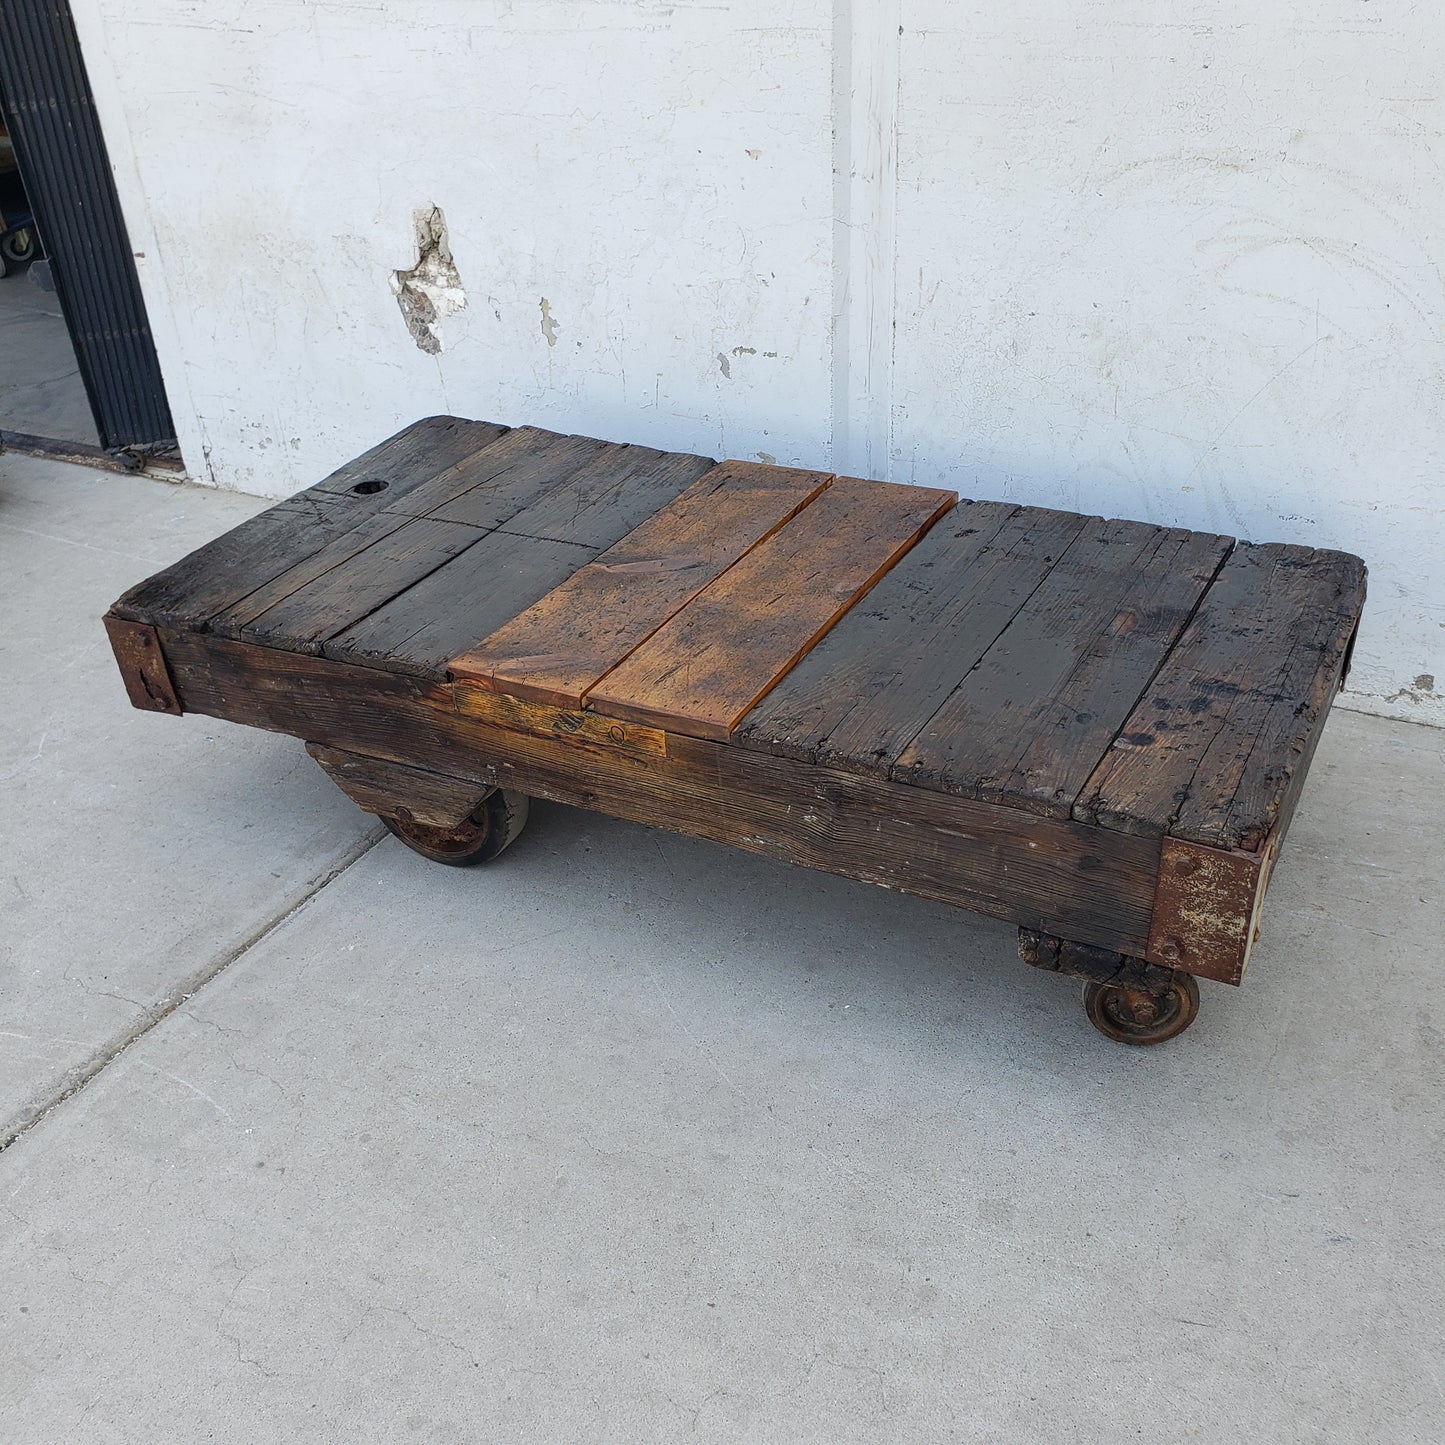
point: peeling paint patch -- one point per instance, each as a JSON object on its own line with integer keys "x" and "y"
{"x": 550, "y": 327}
{"x": 723, "y": 364}
{"x": 1421, "y": 690}
{"x": 432, "y": 289}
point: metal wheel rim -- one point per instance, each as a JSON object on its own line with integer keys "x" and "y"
{"x": 1108, "y": 1008}
{"x": 445, "y": 844}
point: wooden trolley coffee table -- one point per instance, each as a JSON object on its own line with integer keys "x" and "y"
{"x": 1097, "y": 730}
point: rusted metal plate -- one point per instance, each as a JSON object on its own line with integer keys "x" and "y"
{"x": 143, "y": 667}
{"x": 578, "y": 726}
{"x": 1206, "y": 909}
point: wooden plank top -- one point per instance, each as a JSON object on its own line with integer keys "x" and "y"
{"x": 1216, "y": 740}
{"x": 858, "y": 698}
{"x": 703, "y": 669}
{"x": 1148, "y": 680}
{"x": 561, "y": 647}
{"x": 1026, "y": 723}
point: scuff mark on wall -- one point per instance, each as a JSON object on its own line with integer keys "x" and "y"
{"x": 550, "y": 327}
{"x": 432, "y": 289}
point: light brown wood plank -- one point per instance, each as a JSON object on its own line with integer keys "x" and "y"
{"x": 567, "y": 642}
{"x": 582, "y": 728}
{"x": 701, "y": 671}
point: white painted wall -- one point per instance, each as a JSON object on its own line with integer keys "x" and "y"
{"x": 1173, "y": 262}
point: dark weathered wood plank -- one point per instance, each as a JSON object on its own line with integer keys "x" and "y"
{"x": 1072, "y": 729}
{"x": 391, "y": 551}
{"x": 328, "y": 604}
{"x": 444, "y": 613}
{"x": 495, "y": 484}
{"x": 1049, "y": 874}
{"x": 705, "y": 667}
{"x": 190, "y": 592}
{"x": 607, "y": 497}
{"x": 1214, "y": 745}
{"x": 262, "y": 549}
{"x": 1030, "y": 722}
{"x": 231, "y": 621}
{"x": 416, "y": 454}
{"x": 871, "y": 684}
{"x": 569, "y": 640}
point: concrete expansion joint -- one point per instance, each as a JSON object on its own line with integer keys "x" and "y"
{"x": 83, "y": 1075}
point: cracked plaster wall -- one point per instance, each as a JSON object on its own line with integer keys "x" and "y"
{"x": 1097, "y": 255}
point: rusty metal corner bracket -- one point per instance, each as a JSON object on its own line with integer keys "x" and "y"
{"x": 1206, "y": 908}
{"x": 137, "y": 648}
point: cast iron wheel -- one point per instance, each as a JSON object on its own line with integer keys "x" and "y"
{"x": 494, "y": 826}
{"x": 19, "y": 246}
{"x": 1133, "y": 1016}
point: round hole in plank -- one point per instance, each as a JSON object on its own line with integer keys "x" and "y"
{"x": 370, "y": 487}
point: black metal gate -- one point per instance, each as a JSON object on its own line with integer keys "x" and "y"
{"x": 63, "y": 160}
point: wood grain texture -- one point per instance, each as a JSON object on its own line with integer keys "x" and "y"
{"x": 1030, "y": 721}
{"x": 606, "y": 497}
{"x": 493, "y": 485}
{"x": 568, "y": 641}
{"x": 363, "y": 582}
{"x": 253, "y": 556}
{"x": 1044, "y": 873}
{"x": 215, "y": 576}
{"x": 593, "y": 490}
{"x": 397, "y": 790}
{"x": 705, "y": 667}
{"x": 1214, "y": 748}
{"x": 420, "y": 629}
{"x": 232, "y": 620}
{"x": 415, "y": 455}
{"x": 568, "y": 724}
{"x": 859, "y": 697}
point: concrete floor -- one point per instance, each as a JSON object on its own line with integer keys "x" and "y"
{"x": 631, "y": 1137}
{"x": 40, "y": 388}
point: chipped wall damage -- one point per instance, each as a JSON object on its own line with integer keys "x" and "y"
{"x": 432, "y": 289}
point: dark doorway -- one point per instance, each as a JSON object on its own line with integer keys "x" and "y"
{"x": 65, "y": 171}
{"x": 41, "y": 393}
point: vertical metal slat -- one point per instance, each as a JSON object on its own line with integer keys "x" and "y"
{"x": 67, "y": 173}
